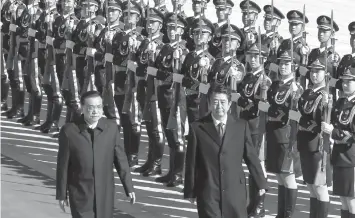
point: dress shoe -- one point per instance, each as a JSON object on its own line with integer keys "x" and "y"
{"x": 56, "y": 135}
{"x": 164, "y": 179}
{"x": 4, "y": 106}
{"x": 258, "y": 210}
{"x": 34, "y": 121}
{"x": 175, "y": 181}
{"x": 23, "y": 119}
{"x": 132, "y": 160}
{"x": 144, "y": 167}
{"x": 52, "y": 128}
{"x": 43, "y": 125}
{"x": 153, "y": 171}
{"x": 18, "y": 113}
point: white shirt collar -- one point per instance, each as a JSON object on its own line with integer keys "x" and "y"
{"x": 297, "y": 38}
{"x": 217, "y": 122}
{"x": 287, "y": 80}
{"x": 270, "y": 34}
{"x": 92, "y": 126}
{"x": 353, "y": 54}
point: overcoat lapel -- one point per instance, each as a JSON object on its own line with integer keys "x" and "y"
{"x": 230, "y": 131}
{"x": 210, "y": 129}
{"x": 101, "y": 125}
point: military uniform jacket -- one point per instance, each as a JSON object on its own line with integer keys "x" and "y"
{"x": 266, "y": 40}
{"x": 5, "y": 28}
{"x": 311, "y": 107}
{"x": 215, "y": 45}
{"x": 242, "y": 48}
{"x": 250, "y": 95}
{"x": 191, "y": 69}
{"x": 318, "y": 53}
{"x": 164, "y": 63}
{"x": 23, "y": 23}
{"x": 343, "y": 119}
{"x": 143, "y": 61}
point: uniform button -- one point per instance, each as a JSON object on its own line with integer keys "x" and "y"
{"x": 223, "y": 190}
{"x": 222, "y": 171}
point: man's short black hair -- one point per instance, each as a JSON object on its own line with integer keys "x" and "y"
{"x": 89, "y": 94}
{"x": 216, "y": 88}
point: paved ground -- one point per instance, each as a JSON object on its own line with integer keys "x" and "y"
{"x": 29, "y": 157}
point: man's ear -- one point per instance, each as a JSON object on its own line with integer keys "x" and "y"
{"x": 160, "y": 26}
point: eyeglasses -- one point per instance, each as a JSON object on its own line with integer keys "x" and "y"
{"x": 93, "y": 107}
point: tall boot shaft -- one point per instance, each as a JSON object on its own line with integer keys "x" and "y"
{"x": 290, "y": 202}
{"x": 149, "y": 161}
{"x": 344, "y": 214}
{"x": 29, "y": 114}
{"x": 313, "y": 206}
{"x": 176, "y": 172}
{"x": 322, "y": 209}
{"x": 57, "y": 109}
{"x": 5, "y": 86}
{"x": 37, "y": 104}
{"x": 281, "y": 201}
{"x": 167, "y": 177}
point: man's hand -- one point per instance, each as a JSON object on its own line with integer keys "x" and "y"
{"x": 132, "y": 196}
{"x": 62, "y": 204}
{"x": 327, "y": 128}
{"x": 192, "y": 200}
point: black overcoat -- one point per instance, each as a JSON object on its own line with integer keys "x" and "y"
{"x": 214, "y": 172}
{"x": 85, "y": 169}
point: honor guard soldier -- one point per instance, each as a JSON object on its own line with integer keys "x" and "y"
{"x": 198, "y": 7}
{"x": 171, "y": 96}
{"x": 223, "y": 11}
{"x": 124, "y": 45}
{"x": 115, "y": 13}
{"x": 297, "y": 27}
{"x": 342, "y": 131}
{"x": 250, "y": 14}
{"x": 32, "y": 78}
{"x": 326, "y": 33}
{"x": 271, "y": 39}
{"x": 282, "y": 97}
{"x": 313, "y": 111}
{"x": 5, "y": 38}
{"x": 196, "y": 67}
{"x": 146, "y": 93}
{"x": 20, "y": 21}
{"x": 251, "y": 93}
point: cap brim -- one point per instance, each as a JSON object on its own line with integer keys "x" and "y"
{"x": 295, "y": 21}
{"x": 324, "y": 27}
{"x": 133, "y": 11}
{"x": 173, "y": 24}
{"x": 203, "y": 29}
{"x": 233, "y": 37}
{"x": 347, "y": 77}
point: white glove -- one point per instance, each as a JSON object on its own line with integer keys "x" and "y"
{"x": 274, "y": 44}
{"x": 177, "y": 53}
{"x": 304, "y": 50}
{"x": 250, "y": 37}
{"x": 204, "y": 62}
{"x": 152, "y": 47}
{"x": 334, "y": 59}
{"x": 327, "y": 128}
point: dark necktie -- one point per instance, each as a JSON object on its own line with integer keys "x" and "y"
{"x": 220, "y": 130}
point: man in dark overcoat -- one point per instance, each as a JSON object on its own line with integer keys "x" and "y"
{"x": 217, "y": 144}
{"x": 88, "y": 149}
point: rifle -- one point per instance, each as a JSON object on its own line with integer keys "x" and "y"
{"x": 304, "y": 58}
{"x": 273, "y": 51}
{"x": 109, "y": 92}
{"x": 174, "y": 120}
{"x": 324, "y": 138}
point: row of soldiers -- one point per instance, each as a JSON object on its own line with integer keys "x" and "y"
{"x": 155, "y": 67}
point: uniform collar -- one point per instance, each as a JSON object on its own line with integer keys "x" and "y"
{"x": 270, "y": 34}
{"x": 227, "y": 58}
{"x": 256, "y": 72}
{"x": 318, "y": 88}
{"x": 221, "y": 23}
{"x": 198, "y": 52}
{"x": 297, "y": 38}
{"x": 287, "y": 80}
{"x": 351, "y": 97}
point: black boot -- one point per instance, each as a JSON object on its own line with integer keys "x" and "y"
{"x": 313, "y": 206}
{"x": 4, "y": 94}
{"x": 20, "y": 101}
{"x": 178, "y": 165}
{"x": 166, "y": 178}
{"x": 36, "y": 108}
{"x": 154, "y": 170}
{"x": 48, "y": 90}
{"x": 132, "y": 160}
{"x": 253, "y": 192}
{"x": 148, "y": 163}
{"x": 29, "y": 114}
{"x": 281, "y": 201}
{"x": 290, "y": 202}
{"x": 56, "y": 112}
{"x": 258, "y": 210}
{"x": 322, "y": 209}
{"x": 344, "y": 214}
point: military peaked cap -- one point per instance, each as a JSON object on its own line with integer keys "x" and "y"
{"x": 203, "y": 23}
{"x": 170, "y": 20}
{"x": 284, "y": 52}
{"x": 277, "y": 13}
{"x": 222, "y": 3}
{"x": 156, "y": 15}
{"x": 253, "y": 7}
{"x": 135, "y": 8}
{"x": 234, "y": 32}
{"x": 324, "y": 22}
{"x": 295, "y": 16}
{"x": 115, "y": 4}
